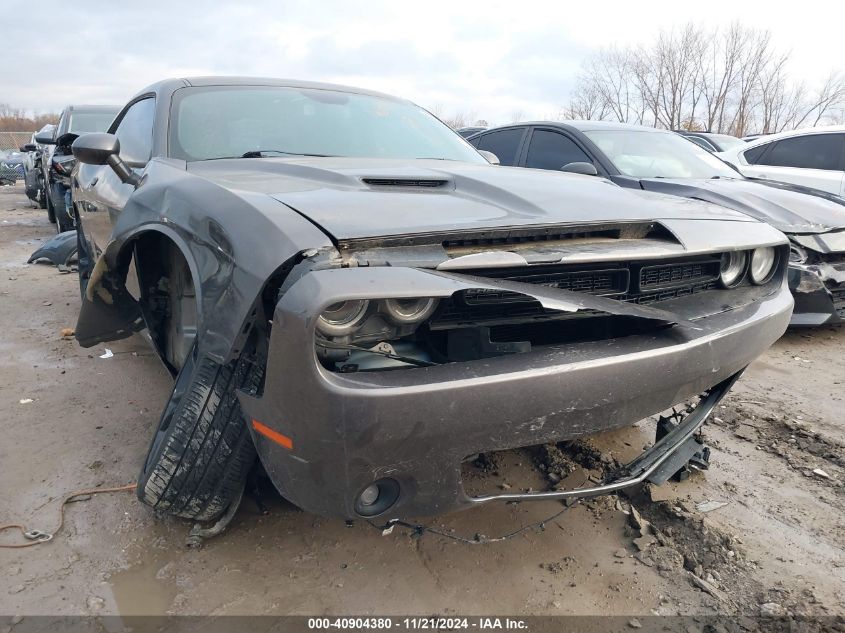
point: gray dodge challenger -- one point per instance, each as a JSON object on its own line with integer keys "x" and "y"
{"x": 347, "y": 291}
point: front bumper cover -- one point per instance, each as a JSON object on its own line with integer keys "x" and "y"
{"x": 416, "y": 426}
{"x": 819, "y": 292}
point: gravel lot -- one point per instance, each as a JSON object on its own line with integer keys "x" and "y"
{"x": 779, "y": 541}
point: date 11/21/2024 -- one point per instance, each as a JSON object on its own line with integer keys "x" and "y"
{"x": 418, "y": 623}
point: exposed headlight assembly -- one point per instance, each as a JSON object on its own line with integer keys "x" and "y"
{"x": 732, "y": 269}
{"x": 405, "y": 311}
{"x": 762, "y": 266}
{"x": 343, "y": 317}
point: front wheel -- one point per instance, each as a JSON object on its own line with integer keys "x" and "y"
{"x": 51, "y": 211}
{"x": 201, "y": 454}
{"x": 64, "y": 222}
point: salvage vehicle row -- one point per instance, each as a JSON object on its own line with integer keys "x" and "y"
{"x": 643, "y": 158}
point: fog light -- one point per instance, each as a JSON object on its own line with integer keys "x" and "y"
{"x": 377, "y": 497}
{"x": 733, "y": 268}
{"x": 762, "y": 265}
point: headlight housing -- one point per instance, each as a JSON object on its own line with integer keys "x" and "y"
{"x": 732, "y": 268}
{"x": 374, "y": 320}
{"x": 409, "y": 310}
{"x": 343, "y": 317}
{"x": 763, "y": 262}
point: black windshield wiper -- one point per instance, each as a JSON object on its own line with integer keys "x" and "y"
{"x": 261, "y": 153}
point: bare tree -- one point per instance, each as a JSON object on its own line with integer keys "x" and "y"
{"x": 19, "y": 120}
{"x": 732, "y": 80}
{"x": 830, "y": 95}
{"x": 586, "y": 103}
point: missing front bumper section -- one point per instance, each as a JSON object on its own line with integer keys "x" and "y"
{"x": 650, "y": 466}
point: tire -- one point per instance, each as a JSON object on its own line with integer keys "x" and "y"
{"x": 201, "y": 454}
{"x": 42, "y": 202}
{"x": 63, "y": 221}
{"x": 51, "y": 212}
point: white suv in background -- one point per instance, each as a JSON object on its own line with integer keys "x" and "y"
{"x": 812, "y": 157}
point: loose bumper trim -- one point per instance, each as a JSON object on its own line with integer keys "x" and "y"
{"x": 639, "y": 470}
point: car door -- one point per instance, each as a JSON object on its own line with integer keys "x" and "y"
{"x": 99, "y": 195}
{"x": 811, "y": 160}
{"x": 506, "y": 144}
{"x": 553, "y": 149}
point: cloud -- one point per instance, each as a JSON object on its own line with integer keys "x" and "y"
{"x": 491, "y": 58}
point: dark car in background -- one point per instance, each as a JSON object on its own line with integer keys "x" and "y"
{"x": 337, "y": 280}
{"x": 658, "y": 160}
{"x": 57, "y": 160}
{"x": 33, "y": 170}
{"x": 712, "y": 141}
{"x": 11, "y": 167}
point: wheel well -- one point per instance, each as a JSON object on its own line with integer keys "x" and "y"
{"x": 169, "y": 299}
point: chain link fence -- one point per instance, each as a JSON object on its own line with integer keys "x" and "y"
{"x": 11, "y": 162}
{"x": 11, "y": 141}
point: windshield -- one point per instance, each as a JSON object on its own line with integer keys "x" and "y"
{"x": 656, "y": 154}
{"x": 84, "y": 122}
{"x": 227, "y": 122}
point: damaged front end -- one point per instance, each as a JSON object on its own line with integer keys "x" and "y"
{"x": 386, "y": 373}
{"x": 817, "y": 278}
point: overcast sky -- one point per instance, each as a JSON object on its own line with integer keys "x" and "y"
{"x": 488, "y": 58}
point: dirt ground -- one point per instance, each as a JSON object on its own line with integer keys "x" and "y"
{"x": 72, "y": 419}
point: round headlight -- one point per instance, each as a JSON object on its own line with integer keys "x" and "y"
{"x": 342, "y": 317}
{"x": 732, "y": 268}
{"x": 405, "y": 311}
{"x": 762, "y": 264}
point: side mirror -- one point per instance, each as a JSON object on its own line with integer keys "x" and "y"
{"x": 45, "y": 138}
{"x": 29, "y": 147}
{"x": 490, "y": 156}
{"x": 587, "y": 169}
{"x": 103, "y": 149}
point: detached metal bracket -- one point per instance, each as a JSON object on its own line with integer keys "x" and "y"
{"x": 678, "y": 441}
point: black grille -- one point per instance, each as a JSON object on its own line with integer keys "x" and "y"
{"x": 681, "y": 273}
{"x": 838, "y": 294}
{"x": 636, "y": 282}
{"x": 600, "y": 281}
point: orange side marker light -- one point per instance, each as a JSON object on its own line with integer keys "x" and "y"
{"x": 278, "y": 438}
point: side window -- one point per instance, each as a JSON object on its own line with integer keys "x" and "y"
{"x": 814, "y": 151}
{"x": 135, "y": 132}
{"x": 474, "y": 142}
{"x": 553, "y": 150}
{"x": 504, "y": 144}
{"x": 752, "y": 156}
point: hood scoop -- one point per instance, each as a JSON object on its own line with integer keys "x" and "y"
{"x": 406, "y": 183}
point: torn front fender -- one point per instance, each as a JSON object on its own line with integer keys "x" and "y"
{"x": 108, "y": 311}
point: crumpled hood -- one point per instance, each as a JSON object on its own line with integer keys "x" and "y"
{"x": 788, "y": 208}
{"x": 334, "y": 194}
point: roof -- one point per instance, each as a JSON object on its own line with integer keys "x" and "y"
{"x": 585, "y": 126}
{"x": 802, "y": 132}
{"x": 183, "y": 82}
{"x": 93, "y": 108}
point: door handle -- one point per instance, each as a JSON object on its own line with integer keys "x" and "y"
{"x": 94, "y": 181}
